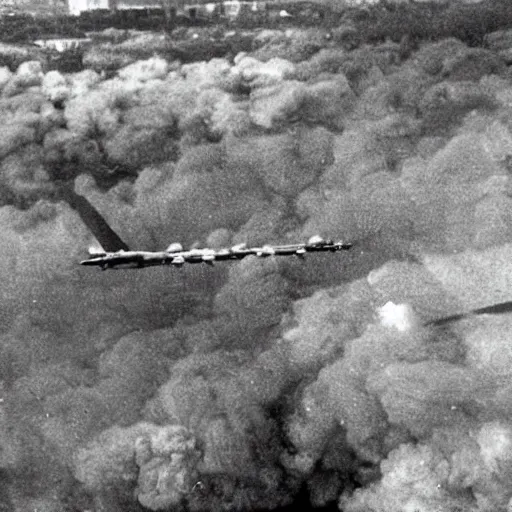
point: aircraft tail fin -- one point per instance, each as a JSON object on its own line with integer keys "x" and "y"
{"x": 92, "y": 218}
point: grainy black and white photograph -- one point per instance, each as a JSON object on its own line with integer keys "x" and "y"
{"x": 256, "y": 255}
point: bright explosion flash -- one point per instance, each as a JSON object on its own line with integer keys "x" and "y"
{"x": 399, "y": 316}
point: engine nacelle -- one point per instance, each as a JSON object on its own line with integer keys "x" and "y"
{"x": 179, "y": 261}
{"x": 174, "y": 247}
{"x": 316, "y": 240}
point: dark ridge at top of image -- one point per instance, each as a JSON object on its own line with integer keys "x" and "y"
{"x": 47, "y": 31}
{"x": 469, "y": 20}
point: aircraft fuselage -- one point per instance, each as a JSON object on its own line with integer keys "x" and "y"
{"x": 142, "y": 259}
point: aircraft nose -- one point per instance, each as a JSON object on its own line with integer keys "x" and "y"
{"x": 89, "y": 262}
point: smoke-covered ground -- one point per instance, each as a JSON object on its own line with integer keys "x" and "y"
{"x": 241, "y": 387}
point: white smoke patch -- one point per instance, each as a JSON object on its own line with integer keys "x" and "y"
{"x": 399, "y": 316}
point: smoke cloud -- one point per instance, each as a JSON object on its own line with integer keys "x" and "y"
{"x": 243, "y": 386}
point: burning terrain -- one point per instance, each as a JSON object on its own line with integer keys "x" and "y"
{"x": 241, "y": 387}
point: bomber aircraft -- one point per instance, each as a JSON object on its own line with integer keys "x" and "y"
{"x": 116, "y": 254}
{"x": 175, "y": 255}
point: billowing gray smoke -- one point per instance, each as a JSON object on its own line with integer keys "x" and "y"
{"x": 235, "y": 388}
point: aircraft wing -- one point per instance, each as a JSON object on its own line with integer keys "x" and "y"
{"x": 93, "y": 219}
{"x": 495, "y": 309}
